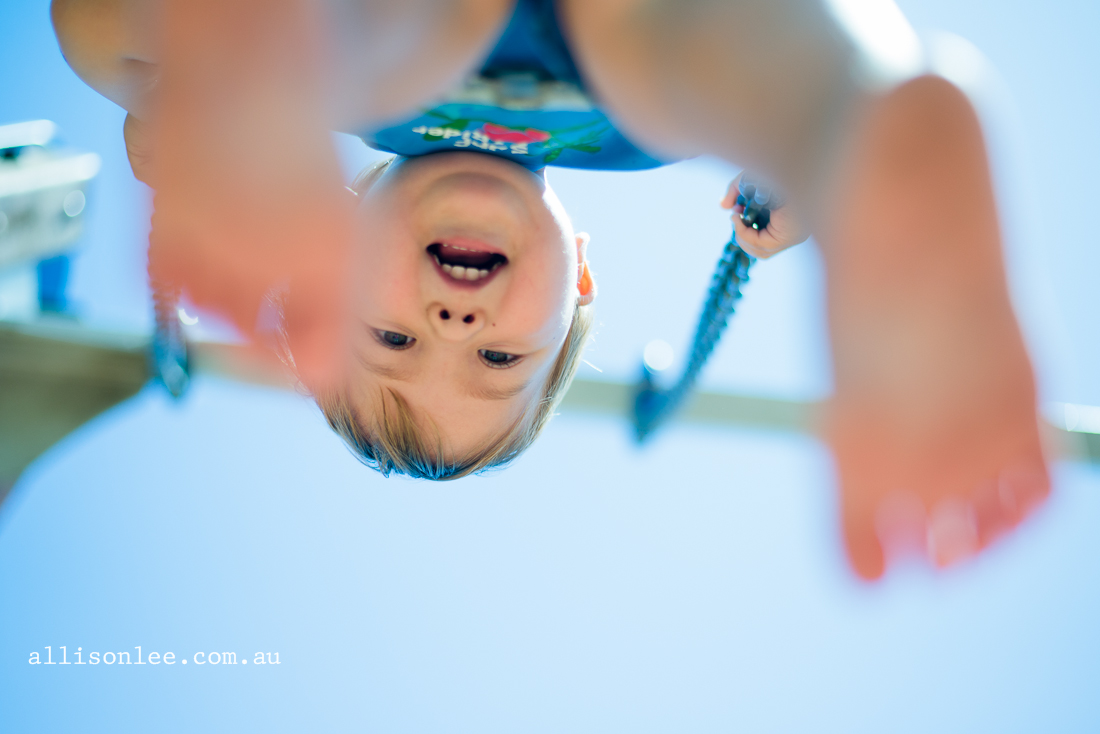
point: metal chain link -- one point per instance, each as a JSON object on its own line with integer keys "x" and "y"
{"x": 652, "y": 405}
{"x": 171, "y": 360}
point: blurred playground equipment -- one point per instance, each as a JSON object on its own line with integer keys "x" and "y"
{"x": 57, "y": 373}
{"x": 43, "y": 196}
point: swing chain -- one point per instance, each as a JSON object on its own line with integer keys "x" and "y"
{"x": 170, "y": 356}
{"x": 652, "y": 405}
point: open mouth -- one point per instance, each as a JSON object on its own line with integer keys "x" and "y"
{"x": 463, "y": 264}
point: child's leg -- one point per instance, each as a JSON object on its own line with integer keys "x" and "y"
{"x": 935, "y": 397}
{"x": 759, "y": 82}
{"x": 382, "y": 57}
{"x": 388, "y": 57}
{"x": 934, "y": 392}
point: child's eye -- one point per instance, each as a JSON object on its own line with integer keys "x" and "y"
{"x": 498, "y": 359}
{"x": 393, "y": 340}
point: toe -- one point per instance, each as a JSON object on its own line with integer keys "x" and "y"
{"x": 995, "y": 511}
{"x": 862, "y": 543}
{"x": 1024, "y": 487}
{"x": 952, "y": 531}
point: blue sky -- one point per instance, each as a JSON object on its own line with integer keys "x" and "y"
{"x": 698, "y": 585}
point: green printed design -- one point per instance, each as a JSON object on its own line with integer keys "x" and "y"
{"x": 586, "y": 142}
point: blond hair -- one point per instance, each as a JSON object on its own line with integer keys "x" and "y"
{"x": 396, "y": 442}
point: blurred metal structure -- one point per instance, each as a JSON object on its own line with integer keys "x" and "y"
{"x": 43, "y": 192}
{"x": 56, "y": 375}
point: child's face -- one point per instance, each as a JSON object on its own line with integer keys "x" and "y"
{"x": 471, "y": 354}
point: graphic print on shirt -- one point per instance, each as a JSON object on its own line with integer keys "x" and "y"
{"x": 533, "y": 139}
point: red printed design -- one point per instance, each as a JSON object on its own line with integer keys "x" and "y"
{"x": 499, "y": 134}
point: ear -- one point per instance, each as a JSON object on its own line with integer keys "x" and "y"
{"x": 586, "y": 284}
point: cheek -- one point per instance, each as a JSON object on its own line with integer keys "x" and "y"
{"x": 382, "y": 294}
{"x": 542, "y": 297}
{"x": 383, "y": 277}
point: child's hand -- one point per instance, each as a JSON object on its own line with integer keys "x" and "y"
{"x": 249, "y": 197}
{"x": 783, "y": 231}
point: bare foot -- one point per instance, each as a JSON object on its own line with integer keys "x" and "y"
{"x": 934, "y": 423}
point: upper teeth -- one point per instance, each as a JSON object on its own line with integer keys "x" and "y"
{"x": 460, "y": 272}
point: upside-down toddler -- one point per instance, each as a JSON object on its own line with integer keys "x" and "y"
{"x": 469, "y": 291}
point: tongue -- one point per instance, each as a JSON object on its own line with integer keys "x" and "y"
{"x": 468, "y": 258}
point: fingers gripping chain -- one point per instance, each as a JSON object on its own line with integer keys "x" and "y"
{"x": 758, "y": 201}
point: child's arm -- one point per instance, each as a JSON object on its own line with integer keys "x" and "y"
{"x": 118, "y": 47}
{"x": 785, "y": 228}
{"x": 934, "y": 403}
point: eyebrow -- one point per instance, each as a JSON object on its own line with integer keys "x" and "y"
{"x": 482, "y": 391}
{"x": 499, "y": 393}
{"x": 394, "y": 373}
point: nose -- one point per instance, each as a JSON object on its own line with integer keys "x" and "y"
{"x": 455, "y": 324}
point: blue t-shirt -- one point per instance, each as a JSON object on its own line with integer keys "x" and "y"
{"x": 527, "y": 104}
